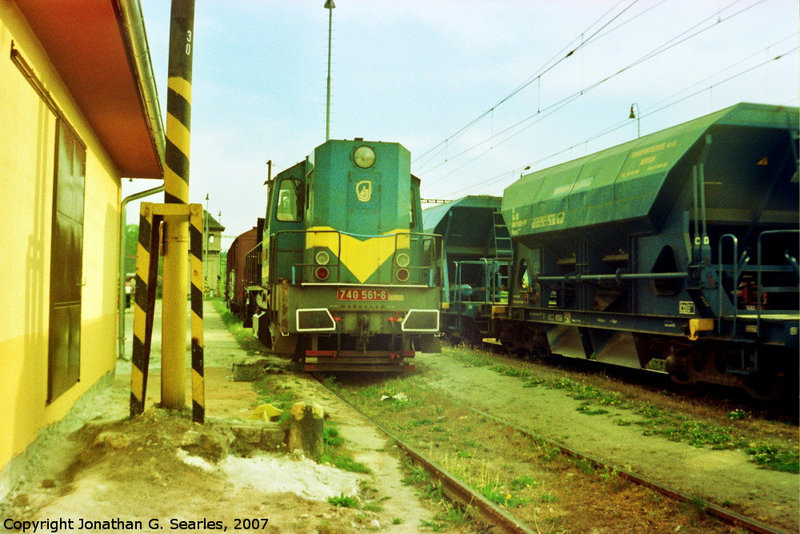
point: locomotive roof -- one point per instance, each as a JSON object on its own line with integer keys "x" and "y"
{"x": 623, "y": 183}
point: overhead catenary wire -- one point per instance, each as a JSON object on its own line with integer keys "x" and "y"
{"x": 663, "y": 47}
{"x": 560, "y": 56}
{"x": 647, "y": 113}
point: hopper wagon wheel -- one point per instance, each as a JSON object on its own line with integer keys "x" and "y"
{"x": 680, "y": 368}
{"x": 771, "y": 380}
{"x": 540, "y": 346}
{"x": 474, "y": 335}
{"x": 512, "y": 339}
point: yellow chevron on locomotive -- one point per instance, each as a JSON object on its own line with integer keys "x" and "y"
{"x": 361, "y": 257}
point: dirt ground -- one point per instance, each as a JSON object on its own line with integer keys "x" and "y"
{"x": 166, "y": 473}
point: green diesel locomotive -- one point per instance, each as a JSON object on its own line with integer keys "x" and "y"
{"x": 349, "y": 281}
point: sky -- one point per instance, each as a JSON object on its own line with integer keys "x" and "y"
{"x": 478, "y": 91}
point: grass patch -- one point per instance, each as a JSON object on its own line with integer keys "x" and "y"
{"x": 775, "y": 458}
{"x": 501, "y": 497}
{"x": 330, "y": 436}
{"x": 343, "y": 462}
{"x": 333, "y": 455}
{"x": 344, "y": 501}
{"x": 244, "y": 336}
{"x": 587, "y": 409}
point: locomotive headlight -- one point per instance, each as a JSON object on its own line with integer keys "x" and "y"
{"x": 402, "y": 259}
{"x": 364, "y": 157}
{"x": 322, "y": 257}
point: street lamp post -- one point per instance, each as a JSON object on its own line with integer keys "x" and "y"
{"x": 329, "y": 5}
{"x": 205, "y": 247}
{"x": 635, "y": 114}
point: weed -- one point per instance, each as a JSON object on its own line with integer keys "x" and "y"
{"x": 549, "y": 453}
{"x": 523, "y": 482}
{"x": 738, "y": 414}
{"x": 416, "y": 474}
{"x": 344, "y": 501}
{"x": 773, "y": 457}
{"x": 433, "y": 525}
{"x": 453, "y": 514}
{"x": 697, "y": 504}
{"x": 343, "y": 462}
{"x": 585, "y": 465}
{"x": 548, "y": 497}
{"x": 244, "y": 336}
{"x": 331, "y": 383}
{"x": 497, "y": 495}
{"x": 397, "y": 521}
{"x": 372, "y": 507}
{"x": 269, "y": 393}
{"x": 587, "y": 409}
{"x": 331, "y": 437}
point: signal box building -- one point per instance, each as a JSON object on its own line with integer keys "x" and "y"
{"x": 213, "y": 277}
{"x": 78, "y": 113}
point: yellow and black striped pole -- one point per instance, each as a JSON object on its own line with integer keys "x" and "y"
{"x": 144, "y": 303}
{"x": 196, "y": 251}
{"x": 176, "y": 182}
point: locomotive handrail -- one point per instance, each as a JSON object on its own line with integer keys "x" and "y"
{"x": 616, "y": 276}
{"x": 735, "y": 263}
{"x": 492, "y": 292}
{"x": 759, "y": 288}
{"x": 248, "y": 259}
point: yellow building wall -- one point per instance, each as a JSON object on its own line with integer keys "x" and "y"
{"x": 27, "y": 162}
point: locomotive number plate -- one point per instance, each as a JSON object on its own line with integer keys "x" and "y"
{"x": 362, "y": 294}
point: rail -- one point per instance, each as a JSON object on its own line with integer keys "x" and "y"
{"x": 472, "y": 501}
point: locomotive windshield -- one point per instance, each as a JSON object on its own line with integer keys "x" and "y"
{"x": 290, "y": 201}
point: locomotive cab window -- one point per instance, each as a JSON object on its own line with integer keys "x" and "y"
{"x": 290, "y": 201}
{"x": 412, "y": 211}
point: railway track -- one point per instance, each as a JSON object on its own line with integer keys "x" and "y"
{"x": 481, "y": 509}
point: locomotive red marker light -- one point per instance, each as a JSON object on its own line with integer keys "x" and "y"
{"x": 321, "y": 273}
{"x": 402, "y": 275}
